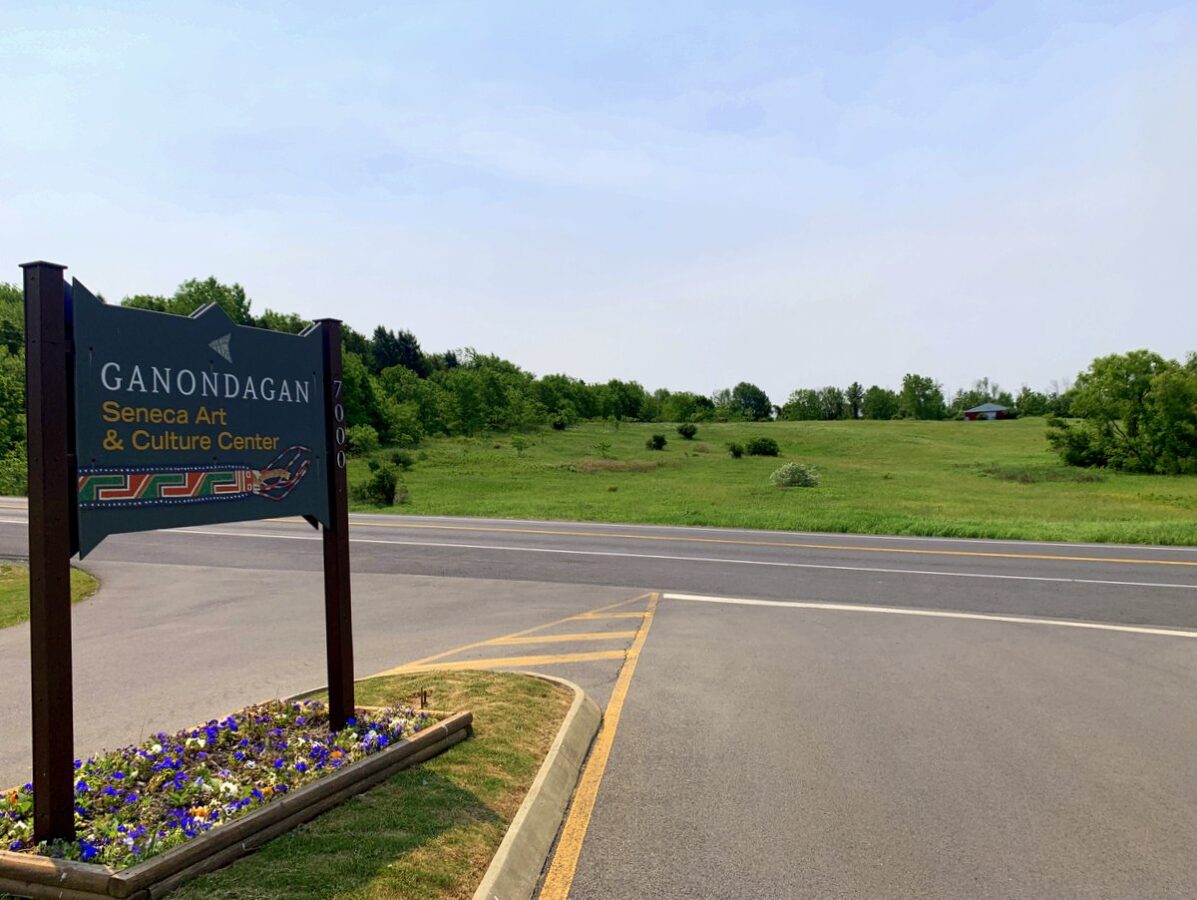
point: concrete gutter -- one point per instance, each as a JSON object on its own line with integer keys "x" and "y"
{"x": 515, "y": 871}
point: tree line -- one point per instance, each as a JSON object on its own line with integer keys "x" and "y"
{"x": 920, "y": 397}
{"x": 396, "y": 393}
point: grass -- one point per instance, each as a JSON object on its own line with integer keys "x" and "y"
{"x": 430, "y": 831}
{"x": 954, "y": 479}
{"x": 14, "y": 591}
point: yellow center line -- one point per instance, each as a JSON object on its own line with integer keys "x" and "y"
{"x": 565, "y": 861}
{"x": 509, "y": 662}
{"x": 564, "y": 638}
{"x": 917, "y": 551}
{"x": 598, "y": 615}
{"x": 514, "y": 634}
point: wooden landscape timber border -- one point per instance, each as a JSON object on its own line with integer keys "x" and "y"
{"x": 26, "y": 875}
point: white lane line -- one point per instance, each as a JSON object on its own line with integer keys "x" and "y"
{"x": 929, "y": 613}
{"x": 697, "y": 559}
{"x": 367, "y": 518}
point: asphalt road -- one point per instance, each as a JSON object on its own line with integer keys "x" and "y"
{"x": 810, "y": 716}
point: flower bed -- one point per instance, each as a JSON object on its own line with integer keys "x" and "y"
{"x": 133, "y": 803}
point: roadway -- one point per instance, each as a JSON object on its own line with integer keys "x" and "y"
{"x": 789, "y": 714}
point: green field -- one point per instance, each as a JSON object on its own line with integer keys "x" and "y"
{"x": 960, "y": 479}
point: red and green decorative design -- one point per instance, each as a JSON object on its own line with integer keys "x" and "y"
{"x": 109, "y": 487}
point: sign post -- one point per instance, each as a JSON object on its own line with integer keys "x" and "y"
{"x": 139, "y": 420}
{"x": 48, "y": 367}
{"x": 338, "y": 625}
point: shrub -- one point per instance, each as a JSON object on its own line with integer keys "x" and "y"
{"x": 603, "y": 448}
{"x": 383, "y": 488}
{"x": 361, "y": 438}
{"x": 559, "y": 423}
{"x": 762, "y": 446}
{"x": 736, "y": 450}
{"x": 656, "y": 442}
{"x": 795, "y": 475}
{"x": 404, "y": 459}
{"x": 687, "y": 430}
{"x": 520, "y": 444}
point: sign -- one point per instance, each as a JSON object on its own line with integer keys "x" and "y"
{"x": 193, "y": 420}
{"x": 140, "y": 420}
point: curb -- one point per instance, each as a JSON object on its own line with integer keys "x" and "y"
{"x": 515, "y": 871}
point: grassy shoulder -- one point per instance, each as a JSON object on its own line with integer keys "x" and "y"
{"x": 430, "y": 831}
{"x": 14, "y": 591}
{"x": 954, "y": 479}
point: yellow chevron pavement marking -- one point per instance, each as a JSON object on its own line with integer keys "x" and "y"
{"x": 509, "y": 662}
{"x": 564, "y": 638}
{"x": 515, "y": 634}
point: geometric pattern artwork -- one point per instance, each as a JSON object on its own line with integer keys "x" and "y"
{"x": 123, "y": 486}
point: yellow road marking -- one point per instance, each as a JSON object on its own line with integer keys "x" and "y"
{"x": 565, "y": 861}
{"x": 509, "y": 662}
{"x": 564, "y": 638}
{"x": 620, "y": 615}
{"x": 515, "y": 634}
{"x": 784, "y": 544}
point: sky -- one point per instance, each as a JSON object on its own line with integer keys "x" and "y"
{"x": 687, "y": 195}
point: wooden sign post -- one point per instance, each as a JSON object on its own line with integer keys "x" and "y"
{"x": 139, "y": 420}
{"x": 338, "y": 624}
{"x": 48, "y": 371}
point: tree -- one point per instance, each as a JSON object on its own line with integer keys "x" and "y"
{"x": 921, "y": 398}
{"x": 832, "y": 403}
{"x": 855, "y": 395}
{"x": 751, "y": 402}
{"x": 12, "y": 318}
{"x": 195, "y": 294}
{"x": 1031, "y": 403}
{"x": 982, "y": 391}
{"x": 880, "y": 403}
{"x": 802, "y": 406}
{"x": 384, "y": 349}
{"x": 1139, "y": 413}
{"x": 276, "y": 321}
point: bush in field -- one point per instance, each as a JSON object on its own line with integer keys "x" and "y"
{"x": 687, "y": 430}
{"x": 361, "y": 439}
{"x": 656, "y": 442}
{"x": 736, "y": 450}
{"x": 762, "y": 446}
{"x": 559, "y": 423}
{"x": 795, "y": 475}
{"x": 384, "y": 487}
{"x": 403, "y": 459}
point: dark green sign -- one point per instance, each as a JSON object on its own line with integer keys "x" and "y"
{"x": 193, "y": 421}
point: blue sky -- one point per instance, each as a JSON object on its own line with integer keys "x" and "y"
{"x": 685, "y": 194}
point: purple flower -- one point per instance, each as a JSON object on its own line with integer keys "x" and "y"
{"x": 279, "y": 763}
{"x": 301, "y": 766}
{"x": 87, "y": 851}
